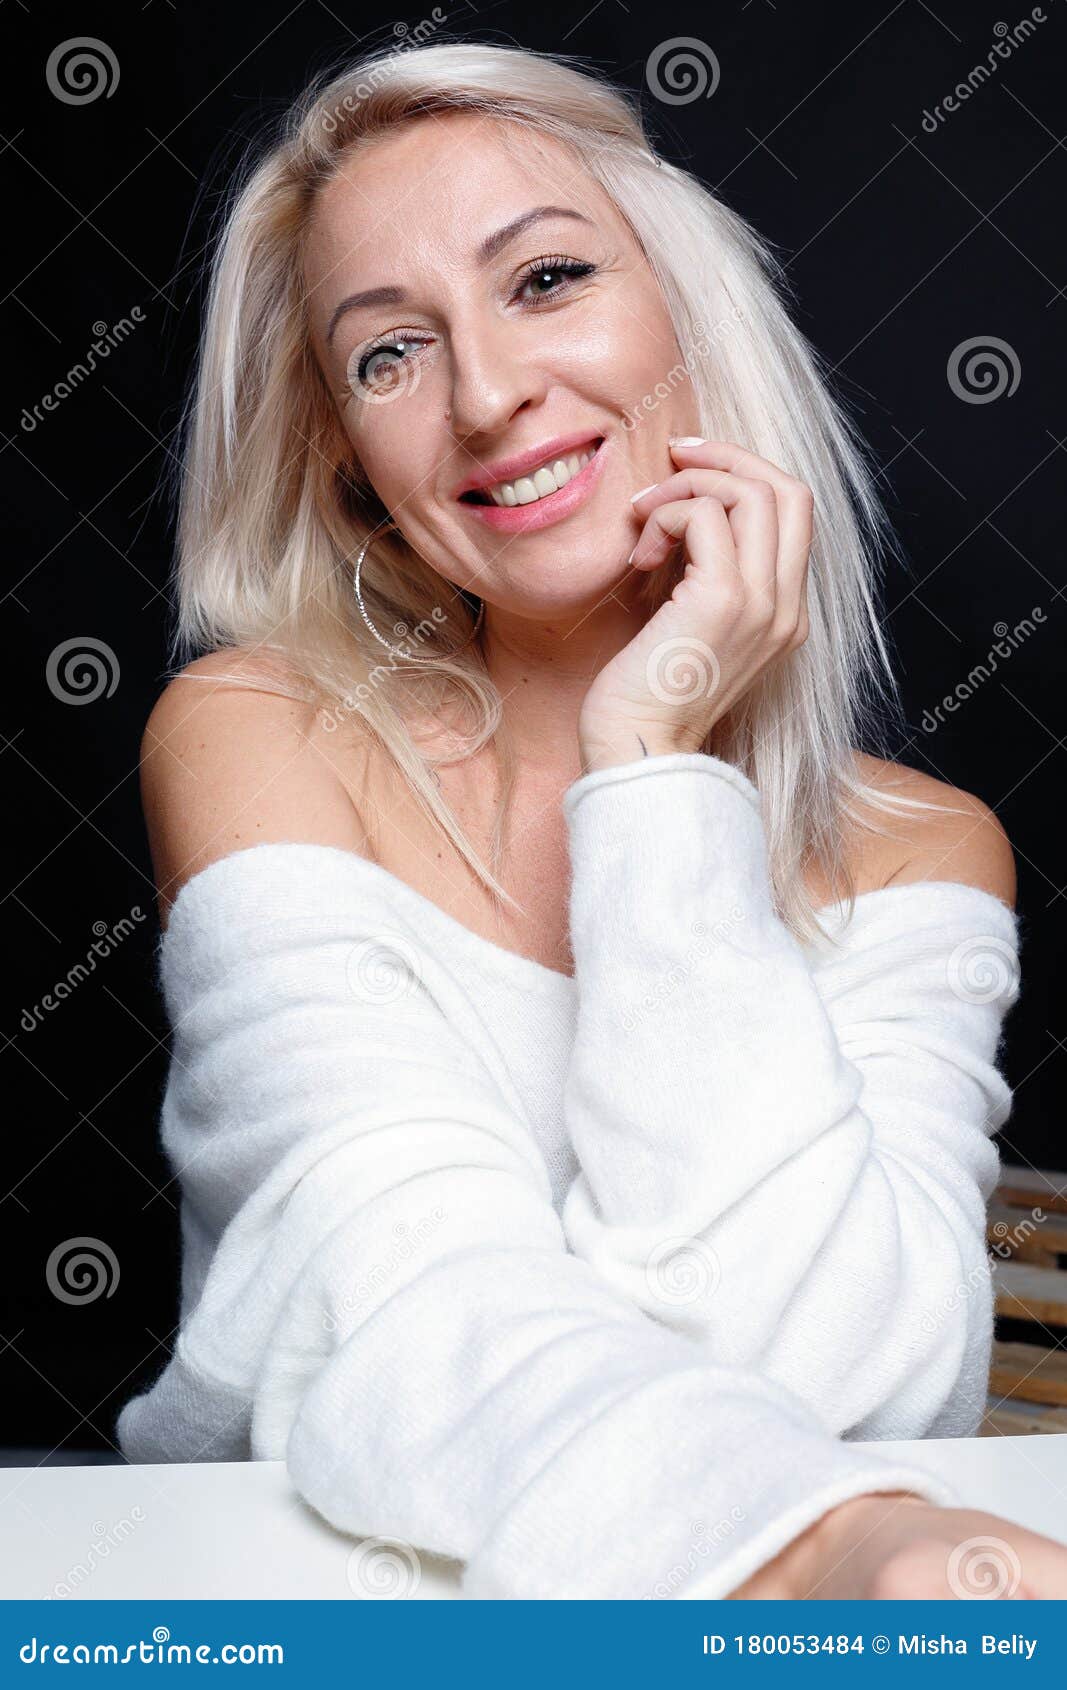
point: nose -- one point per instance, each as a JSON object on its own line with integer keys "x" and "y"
{"x": 495, "y": 373}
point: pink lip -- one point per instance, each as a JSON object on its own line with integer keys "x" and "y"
{"x": 521, "y": 519}
{"x": 520, "y": 463}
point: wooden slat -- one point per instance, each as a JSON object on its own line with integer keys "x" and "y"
{"x": 1024, "y": 1292}
{"x": 1016, "y": 1419}
{"x": 1015, "y": 1230}
{"x": 1025, "y": 1187}
{"x": 1030, "y": 1373}
{"x": 1028, "y": 1381}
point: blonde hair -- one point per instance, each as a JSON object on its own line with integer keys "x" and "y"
{"x": 272, "y": 508}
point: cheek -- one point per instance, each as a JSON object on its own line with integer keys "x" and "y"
{"x": 656, "y": 350}
{"x": 392, "y": 443}
{"x": 623, "y": 352}
{"x": 595, "y": 348}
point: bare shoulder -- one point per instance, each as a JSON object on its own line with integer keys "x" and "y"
{"x": 229, "y": 761}
{"x": 961, "y": 840}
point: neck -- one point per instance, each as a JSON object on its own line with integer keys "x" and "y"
{"x": 543, "y": 671}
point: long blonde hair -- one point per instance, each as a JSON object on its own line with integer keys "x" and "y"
{"x": 272, "y": 507}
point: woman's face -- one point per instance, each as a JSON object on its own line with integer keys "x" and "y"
{"x": 491, "y": 347}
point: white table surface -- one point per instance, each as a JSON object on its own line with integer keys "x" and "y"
{"x": 239, "y": 1530}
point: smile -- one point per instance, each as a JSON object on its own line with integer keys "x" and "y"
{"x": 546, "y": 494}
{"x": 540, "y": 483}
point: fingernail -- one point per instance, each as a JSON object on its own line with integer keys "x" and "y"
{"x": 635, "y": 496}
{"x": 632, "y": 555}
{"x": 686, "y": 440}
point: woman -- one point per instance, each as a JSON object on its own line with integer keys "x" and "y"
{"x": 584, "y": 1063}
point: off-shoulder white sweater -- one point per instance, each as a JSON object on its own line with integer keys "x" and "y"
{"x": 555, "y": 1275}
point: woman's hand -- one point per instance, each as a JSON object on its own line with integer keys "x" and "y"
{"x": 899, "y": 1547}
{"x": 739, "y": 607}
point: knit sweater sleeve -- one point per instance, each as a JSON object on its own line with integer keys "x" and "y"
{"x": 788, "y": 1163}
{"x": 390, "y": 1305}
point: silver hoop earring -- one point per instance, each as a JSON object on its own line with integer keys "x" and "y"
{"x": 398, "y": 651}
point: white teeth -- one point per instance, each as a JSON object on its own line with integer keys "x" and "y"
{"x": 548, "y": 479}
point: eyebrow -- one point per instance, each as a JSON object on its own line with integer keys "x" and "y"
{"x": 490, "y": 247}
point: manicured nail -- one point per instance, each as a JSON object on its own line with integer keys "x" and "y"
{"x": 632, "y": 555}
{"x": 686, "y": 440}
{"x": 635, "y": 496}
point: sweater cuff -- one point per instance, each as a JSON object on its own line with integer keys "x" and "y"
{"x": 655, "y": 844}
{"x": 880, "y": 1477}
{"x": 669, "y": 763}
{"x": 695, "y": 1512}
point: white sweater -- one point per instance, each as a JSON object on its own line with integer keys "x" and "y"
{"x": 558, "y": 1276}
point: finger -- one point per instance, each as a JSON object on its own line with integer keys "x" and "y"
{"x": 672, "y": 522}
{"x": 734, "y": 459}
{"x": 696, "y": 478}
{"x": 795, "y": 504}
{"x": 754, "y": 515}
{"x": 795, "y": 528}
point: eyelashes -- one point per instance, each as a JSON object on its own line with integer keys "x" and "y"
{"x": 572, "y": 268}
{"x": 362, "y": 358}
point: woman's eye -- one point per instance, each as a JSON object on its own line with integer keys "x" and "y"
{"x": 541, "y": 273}
{"x": 379, "y": 367}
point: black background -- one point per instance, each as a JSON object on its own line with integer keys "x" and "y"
{"x": 900, "y": 245}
